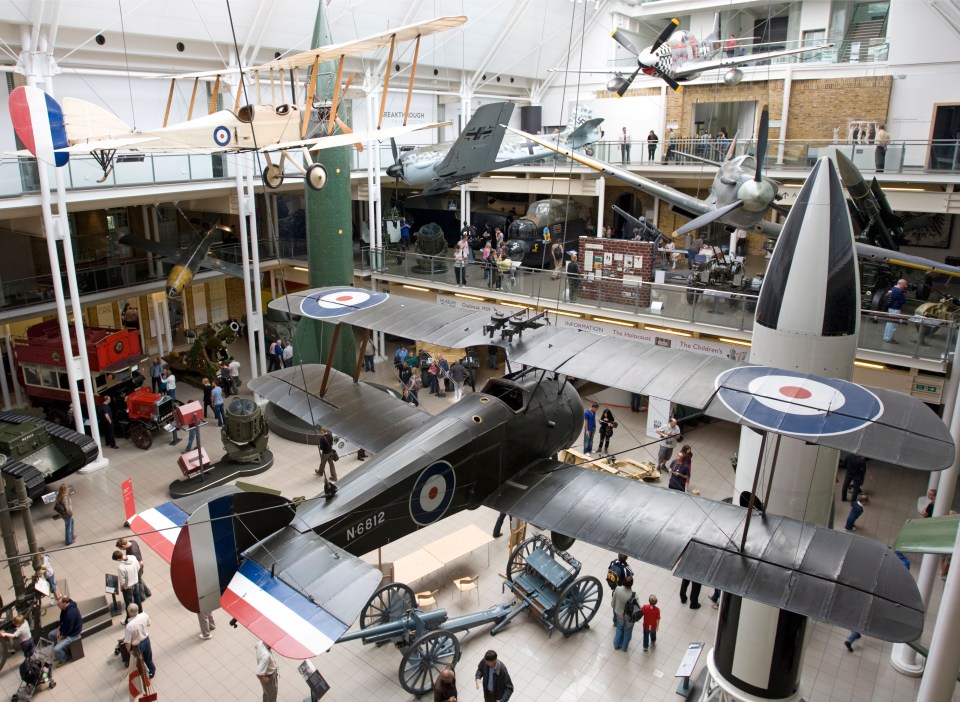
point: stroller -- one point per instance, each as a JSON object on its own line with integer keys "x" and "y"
{"x": 34, "y": 672}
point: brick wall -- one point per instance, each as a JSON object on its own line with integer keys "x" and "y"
{"x": 613, "y": 290}
{"x": 817, "y": 106}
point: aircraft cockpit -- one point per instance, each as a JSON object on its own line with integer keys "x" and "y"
{"x": 247, "y": 113}
{"x": 513, "y": 395}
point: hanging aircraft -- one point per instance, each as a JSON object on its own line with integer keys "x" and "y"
{"x": 78, "y": 126}
{"x": 186, "y": 261}
{"x": 291, "y": 574}
{"x": 481, "y": 148}
{"x": 678, "y": 56}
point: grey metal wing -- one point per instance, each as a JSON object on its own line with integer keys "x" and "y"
{"x": 831, "y": 576}
{"x": 154, "y": 247}
{"x": 362, "y": 414}
{"x": 475, "y": 149}
{"x": 873, "y": 422}
{"x": 222, "y": 266}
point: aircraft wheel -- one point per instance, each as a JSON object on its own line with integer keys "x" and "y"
{"x": 272, "y": 176}
{"x": 425, "y": 659}
{"x": 577, "y": 605}
{"x": 562, "y": 542}
{"x": 141, "y": 437}
{"x": 316, "y": 176}
{"x": 388, "y": 604}
{"x": 518, "y": 558}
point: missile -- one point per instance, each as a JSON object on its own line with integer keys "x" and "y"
{"x": 874, "y": 223}
{"x": 807, "y": 321}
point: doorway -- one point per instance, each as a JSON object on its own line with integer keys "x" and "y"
{"x": 734, "y": 117}
{"x": 945, "y": 138}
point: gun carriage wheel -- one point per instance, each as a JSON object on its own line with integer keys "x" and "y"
{"x": 577, "y": 605}
{"x": 425, "y": 659}
{"x": 388, "y": 604}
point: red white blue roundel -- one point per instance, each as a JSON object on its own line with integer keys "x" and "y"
{"x": 221, "y": 136}
{"x": 337, "y": 302}
{"x": 796, "y": 403}
{"x": 432, "y": 493}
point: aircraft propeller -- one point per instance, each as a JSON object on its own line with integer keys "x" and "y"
{"x": 756, "y": 195}
{"x": 646, "y": 59}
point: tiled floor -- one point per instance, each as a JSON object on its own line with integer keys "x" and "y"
{"x": 582, "y": 667}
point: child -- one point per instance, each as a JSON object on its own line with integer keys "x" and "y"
{"x": 651, "y": 622}
{"x": 22, "y": 634}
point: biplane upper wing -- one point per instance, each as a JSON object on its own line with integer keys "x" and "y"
{"x": 345, "y": 407}
{"x": 333, "y": 52}
{"x": 873, "y": 422}
{"x": 828, "y": 575}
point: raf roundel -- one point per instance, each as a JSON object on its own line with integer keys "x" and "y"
{"x": 795, "y": 403}
{"x": 339, "y": 301}
{"x": 432, "y": 493}
{"x": 221, "y": 136}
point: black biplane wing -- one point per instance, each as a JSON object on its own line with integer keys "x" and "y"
{"x": 873, "y": 422}
{"x": 831, "y": 576}
{"x": 345, "y": 407}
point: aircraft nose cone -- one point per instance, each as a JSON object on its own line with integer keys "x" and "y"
{"x": 172, "y": 292}
{"x": 756, "y": 196}
{"x": 395, "y": 170}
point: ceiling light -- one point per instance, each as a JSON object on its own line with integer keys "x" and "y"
{"x": 614, "y": 321}
{"x": 511, "y": 304}
{"x": 414, "y": 287}
{"x": 906, "y": 190}
{"x": 470, "y": 297}
{"x": 737, "y": 342}
{"x": 875, "y": 366}
{"x": 668, "y": 331}
{"x": 565, "y": 314}
{"x": 300, "y": 268}
{"x": 503, "y": 177}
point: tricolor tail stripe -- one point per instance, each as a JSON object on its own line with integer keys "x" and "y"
{"x": 205, "y": 557}
{"x": 291, "y": 624}
{"x": 159, "y": 528}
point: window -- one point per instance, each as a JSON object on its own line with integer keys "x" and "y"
{"x": 218, "y": 301}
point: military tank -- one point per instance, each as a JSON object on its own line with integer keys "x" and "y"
{"x": 40, "y": 452}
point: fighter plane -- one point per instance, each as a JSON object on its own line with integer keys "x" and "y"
{"x": 186, "y": 261}
{"x": 82, "y": 127}
{"x": 481, "y": 148}
{"x": 295, "y": 579}
{"x": 677, "y": 56}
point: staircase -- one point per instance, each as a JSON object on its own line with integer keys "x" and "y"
{"x": 865, "y": 34}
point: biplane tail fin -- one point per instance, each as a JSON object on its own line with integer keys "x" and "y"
{"x": 39, "y": 123}
{"x": 586, "y": 133}
{"x": 210, "y": 543}
{"x": 85, "y": 122}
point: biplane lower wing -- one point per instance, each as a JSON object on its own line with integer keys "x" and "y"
{"x": 873, "y": 422}
{"x": 345, "y": 407}
{"x": 827, "y": 575}
{"x": 933, "y": 535}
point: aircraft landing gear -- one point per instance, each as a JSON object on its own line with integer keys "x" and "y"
{"x": 316, "y": 176}
{"x": 272, "y": 176}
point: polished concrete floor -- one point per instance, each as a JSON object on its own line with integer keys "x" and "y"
{"x": 547, "y": 669}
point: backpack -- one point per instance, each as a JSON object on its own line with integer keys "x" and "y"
{"x": 632, "y": 611}
{"x": 614, "y": 573}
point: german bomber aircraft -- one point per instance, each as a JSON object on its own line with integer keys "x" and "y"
{"x": 52, "y": 132}
{"x": 291, "y": 574}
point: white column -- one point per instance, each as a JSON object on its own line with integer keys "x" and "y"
{"x": 156, "y": 267}
{"x": 373, "y": 232}
{"x": 165, "y": 316}
{"x": 13, "y": 365}
{"x": 601, "y": 203}
{"x": 940, "y": 678}
{"x": 253, "y": 299}
{"x": 784, "y": 113}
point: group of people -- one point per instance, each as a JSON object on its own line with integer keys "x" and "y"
{"x": 435, "y": 375}
{"x": 652, "y": 140}
{"x": 280, "y": 355}
{"x": 492, "y": 677}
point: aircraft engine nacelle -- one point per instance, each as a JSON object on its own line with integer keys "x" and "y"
{"x": 733, "y": 76}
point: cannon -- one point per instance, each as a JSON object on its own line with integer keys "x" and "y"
{"x": 427, "y": 639}
{"x": 545, "y": 581}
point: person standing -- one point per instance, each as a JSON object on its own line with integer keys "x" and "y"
{"x": 856, "y": 509}
{"x": 854, "y": 472}
{"x": 64, "y": 507}
{"x": 573, "y": 278}
{"x": 135, "y": 634}
{"x": 680, "y": 469}
{"x": 730, "y": 46}
{"x": 894, "y": 306}
{"x": 207, "y": 625}
{"x": 458, "y": 375}
{"x": 445, "y": 689}
{"x": 207, "y": 392}
{"x": 48, "y": 574}
{"x": 880, "y": 153}
{"x": 404, "y": 234}
{"x": 369, "y": 353}
{"x": 589, "y": 427}
{"x": 267, "y": 672}
{"x": 69, "y": 630}
{"x": 624, "y": 147}
{"x": 493, "y": 678}
{"x": 669, "y": 434}
{"x": 278, "y": 355}
{"x": 460, "y": 267}
{"x": 651, "y": 622}
{"x": 128, "y": 574}
{"x": 327, "y": 455}
{"x": 216, "y": 397}
{"x": 636, "y": 401}
{"x": 623, "y": 601}
{"x": 105, "y": 417}
{"x": 668, "y": 146}
{"x": 400, "y": 360}
{"x": 21, "y": 632}
{"x": 287, "y": 355}
{"x": 607, "y": 425}
{"x": 132, "y": 548}
{"x": 652, "y": 140}
{"x": 557, "y": 254}
{"x": 694, "y": 593}
{"x": 171, "y": 381}
{"x": 156, "y": 372}
{"x": 234, "y": 366}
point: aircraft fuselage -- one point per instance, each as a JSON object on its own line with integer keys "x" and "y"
{"x": 735, "y": 181}
{"x": 186, "y": 267}
{"x": 452, "y": 463}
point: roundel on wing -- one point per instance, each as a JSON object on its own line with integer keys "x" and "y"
{"x": 221, "y": 136}
{"x": 339, "y": 301}
{"x": 795, "y": 403}
{"x": 432, "y": 493}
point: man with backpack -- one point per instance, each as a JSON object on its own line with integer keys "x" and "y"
{"x": 626, "y": 613}
{"x": 617, "y": 573}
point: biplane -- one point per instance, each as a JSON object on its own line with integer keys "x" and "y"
{"x": 77, "y": 126}
{"x": 292, "y": 576}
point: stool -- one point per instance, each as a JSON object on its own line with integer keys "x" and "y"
{"x": 75, "y": 650}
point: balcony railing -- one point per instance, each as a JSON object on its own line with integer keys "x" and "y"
{"x": 926, "y": 339}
